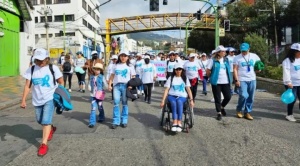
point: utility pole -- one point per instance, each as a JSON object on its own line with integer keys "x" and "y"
{"x": 46, "y": 25}
{"x": 64, "y": 31}
{"x": 275, "y": 30}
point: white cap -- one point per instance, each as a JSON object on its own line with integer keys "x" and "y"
{"x": 231, "y": 49}
{"x": 114, "y": 57}
{"x": 40, "y": 54}
{"x": 124, "y": 52}
{"x": 192, "y": 55}
{"x": 138, "y": 54}
{"x": 213, "y": 51}
{"x": 295, "y": 46}
{"x": 171, "y": 52}
{"x": 220, "y": 48}
{"x": 178, "y": 65}
{"x": 203, "y": 54}
{"x": 94, "y": 52}
{"x": 146, "y": 57}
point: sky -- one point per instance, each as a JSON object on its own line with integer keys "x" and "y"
{"x": 126, "y": 8}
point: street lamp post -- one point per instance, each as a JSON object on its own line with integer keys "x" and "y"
{"x": 275, "y": 29}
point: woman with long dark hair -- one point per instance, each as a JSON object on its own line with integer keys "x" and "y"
{"x": 122, "y": 72}
{"x": 218, "y": 70}
{"x": 291, "y": 76}
{"x": 177, "y": 90}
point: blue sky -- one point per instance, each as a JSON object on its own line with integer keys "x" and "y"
{"x": 125, "y": 8}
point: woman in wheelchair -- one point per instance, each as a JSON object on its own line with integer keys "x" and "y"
{"x": 177, "y": 90}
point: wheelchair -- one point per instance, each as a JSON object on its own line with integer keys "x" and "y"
{"x": 188, "y": 117}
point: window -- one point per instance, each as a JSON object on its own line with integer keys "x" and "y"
{"x": 47, "y": 2}
{"x": 34, "y": 2}
{"x": 48, "y": 17}
{"x": 43, "y": 35}
{"x": 97, "y": 19}
{"x": 90, "y": 27}
{"x": 36, "y": 36}
{"x": 62, "y": 1}
{"x": 89, "y": 9}
{"x": 93, "y": 14}
{"x": 36, "y": 19}
{"x": 84, "y": 37}
{"x": 84, "y": 4}
{"x": 50, "y": 35}
{"x": 57, "y": 34}
{"x": 69, "y": 17}
{"x": 84, "y": 22}
{"x": 59, "y": 18}
{"x": 70, "y": 34}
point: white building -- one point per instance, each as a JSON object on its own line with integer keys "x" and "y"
{"x": 82, "y": 20}
{"x": 132, "y": 45}
{"x": 143, "y": 49}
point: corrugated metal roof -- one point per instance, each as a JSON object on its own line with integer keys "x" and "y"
{"x": 23, "y": 6}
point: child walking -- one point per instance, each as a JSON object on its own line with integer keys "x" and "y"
{"x": 67, "y": 68}
{"x": 97, "y": 81}
{"x": 42, "y": 77}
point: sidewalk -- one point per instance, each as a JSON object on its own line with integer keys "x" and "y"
{"x": 11, "y": 91}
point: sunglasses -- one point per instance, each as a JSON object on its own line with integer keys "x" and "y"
{"x": 178, "y": 69}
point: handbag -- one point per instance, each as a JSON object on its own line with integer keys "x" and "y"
{"x": 100, "y": 95}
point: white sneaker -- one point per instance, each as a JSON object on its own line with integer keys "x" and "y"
{"x": 179, "y": 128}
{"x": 139, "y": 92}
{"x": 174, "y": 128}
{"x": 70, "y": 90}
{"x": 291, "y": 118}
{"x": 142, "y": 92}
{"x": 212, "y": 100}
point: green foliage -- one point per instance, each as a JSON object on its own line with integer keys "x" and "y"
{"x": 272, "y": 72}
{"x": 203, "y": 41}
{"x": 258, "y": 45}
{"x": 292, "y": 13}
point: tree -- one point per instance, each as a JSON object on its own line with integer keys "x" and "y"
{"x": 292, "y": 13}
{"x": 258, "y": 45}
{"x": 201, "y": 40}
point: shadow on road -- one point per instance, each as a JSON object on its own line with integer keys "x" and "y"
{"x": 80, "y": 116}
{"x": 21, "y": 131}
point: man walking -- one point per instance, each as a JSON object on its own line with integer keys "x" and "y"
{"x": 245, "y": 79}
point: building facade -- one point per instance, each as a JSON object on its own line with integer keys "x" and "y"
{"x": 74, "y": 26}
{"x": 16, "y": 36}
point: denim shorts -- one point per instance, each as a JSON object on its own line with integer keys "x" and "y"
{"x": 44, "y": 113}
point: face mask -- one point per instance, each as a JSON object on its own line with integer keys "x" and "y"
{"x": 95, "y": 56}
{"x": 147, "y": 61}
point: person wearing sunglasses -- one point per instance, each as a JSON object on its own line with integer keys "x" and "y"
{"x": 176, "y": 92}
{"x": 245, "y": 79}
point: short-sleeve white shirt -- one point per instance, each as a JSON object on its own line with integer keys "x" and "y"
{"x": 43, "y": 87}
{"x": 123, "y": 73}
{"x": 222, "y": 78}
{"x": 191, "y": 69}
{"x": 178, "y": 86}
{"x": 242, "y": 62}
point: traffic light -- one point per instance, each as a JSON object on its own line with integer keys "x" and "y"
{"x": 154, "y": 5}
{"x": 227, "y": 25}
{"x": 165, "y": 2}
{"x": 199, "y": 15}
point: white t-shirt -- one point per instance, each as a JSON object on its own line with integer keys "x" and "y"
{"x": 171, "y": 65}
{"x": 42, "y": 83}
{"x": 80, "y": 62}
{"x": 222, "y": 78}
{"x": 109, "y": 70}
{"x": 230, "y": 60}
{"x": 123, "y": 73}
{"x": 138, "y": 65}
{"x": 62, "y": 60}
{"x": 148, "y": 72}
{"x": 242, "y": 62}
{"x": 191, "y": 69}
{"x": 178, "y": 86}
{"x": 203, "y": 65}
{"x": 132, "y": 61}
{"x": 291, "y": 72}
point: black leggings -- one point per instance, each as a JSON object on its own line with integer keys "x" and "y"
{"x": 69, "y": 76}
{"x": 148, "y": 90}
{"x": 290, "y": 107}
{"x": 217, "y": 89}
{"x": 81, "y": 78}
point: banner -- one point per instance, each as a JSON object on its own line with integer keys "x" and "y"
{"x": 160, "y": 70}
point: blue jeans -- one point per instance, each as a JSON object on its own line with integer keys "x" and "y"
{"x": 140, "y": 88}
{"x": 204, "y": 83}
{"x": 176, "y": 106}
{"x": 95, "y": 103}
{"x": 246, "y": 96}
{"x": 44, "y": 113}
{"x": 120, "y": 94}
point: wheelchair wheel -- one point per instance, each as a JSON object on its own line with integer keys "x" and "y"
{"x": 162, "y": 117}
{"x": 168, "y": 123}
{"x": 191, "y": 117}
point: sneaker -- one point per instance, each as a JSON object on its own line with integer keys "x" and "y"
{"x": 138, "y": 92}
{"x": 179, "y": 128}
{"x": 80, "y": 90}
{"x": 212, "y": 100}
{"x": 248, "y": 116}
{"x": 91, "y": 126}
{"x": 70, "y": 90}
{"x": 239, "y": 114}
{"x": 174, "y": 128}
{"x": 223, "y": 112}
{"x": 142, "y": 92}
{"x": 114, "y": 126}
{"x": 290, "y": 118}
{"x": 43, "y": 149}
{"x": 53, "y": 129}
{"x": 124, "y": 125}
{"x": 219, "y": 117}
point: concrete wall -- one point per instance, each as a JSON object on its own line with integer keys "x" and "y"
{"x": 272, "y": 86}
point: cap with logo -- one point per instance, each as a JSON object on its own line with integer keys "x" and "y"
{"x": 244, "y": 47}
{"x": 295, "y": 46}
{"x": 40, "y": 54}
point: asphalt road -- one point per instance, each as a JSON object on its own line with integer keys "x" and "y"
{"x": 267, "y": 140}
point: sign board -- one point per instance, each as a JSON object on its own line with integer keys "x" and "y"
{"x": 55, "y": 52}
{"x": 160, "y": 70}
{"x": 221, "y": 32}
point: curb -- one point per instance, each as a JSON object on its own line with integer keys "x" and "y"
{"x": 12, "y": 103}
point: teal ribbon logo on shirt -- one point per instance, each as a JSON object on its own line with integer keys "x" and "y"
{"x": 148, "y": 70}
{"x": 123, "y": 73}
{"x": 251, "y": 63}
{"x": 171, "y": 66}
{"x": 194, "y": 68}
{"x": 138, "y": 65}
{"x": 179, "y": 88}
{"x": 297, "y": 67}
{"x": 41, "y": 81}
{"x": 222, "y": 66}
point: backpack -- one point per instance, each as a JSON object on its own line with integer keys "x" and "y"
{"x": 52, "y": 72}
{"x": 67, "y": 67}
{"x": 169, "y": 61}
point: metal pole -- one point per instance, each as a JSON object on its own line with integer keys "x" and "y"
{"x": 64, "y": 30}
{"x": 179, "y": 28}
{"x": 187, "y": 24}
{"x": 95, "y": 39}
{"x": 275, "y": 29}
{"x": 46, "y": 26}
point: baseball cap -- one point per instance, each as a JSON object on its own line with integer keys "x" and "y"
{"x": 171, "y": 52}
{"x": 94, "y": 52}
{"x": 114, "y": 57}
{"x": 192, "y": 55}
{"x": 203, "y": 54}
{"x": 220, "y": 48}
{"x": 40, "y": 54}
{"x": 146, "y": 57}
{"x": 79, "y": 52}
{"x": 231, "y": 49}
{"x": 178, "y": 65}
{"x": 124, "y": 53}
{"x": 138, "y": 54}
{"x": 213, "y": 51}
{"x": 295, "y": 46}
{"x": 244, "y": 47}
